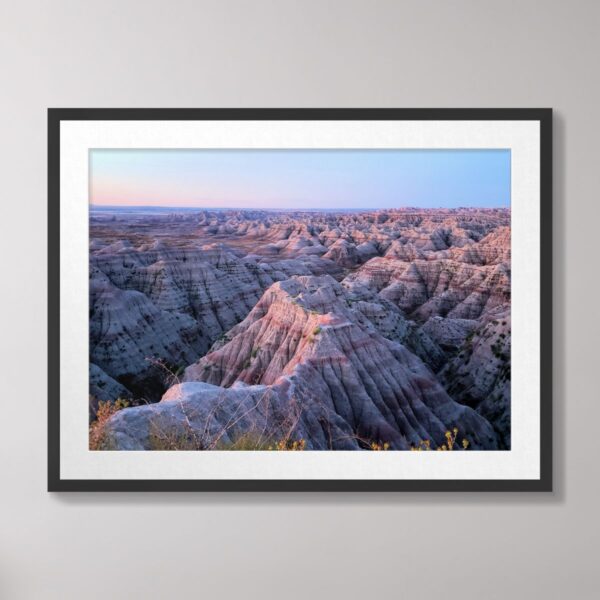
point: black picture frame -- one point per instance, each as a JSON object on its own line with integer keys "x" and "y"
{"x": 58, "y": 115}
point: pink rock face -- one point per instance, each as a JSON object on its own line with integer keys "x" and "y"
{"x": 389, "y": 326}
{"x": 302, "y": 331}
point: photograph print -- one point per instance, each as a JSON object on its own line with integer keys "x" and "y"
{"x": 300, "y": 300}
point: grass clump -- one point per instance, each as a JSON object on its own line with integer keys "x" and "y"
{"x": 379, "y": 446}
{"x": 173, "y": 439}
{"x": 183, "y": 440}
{"x": 451, "y": 441}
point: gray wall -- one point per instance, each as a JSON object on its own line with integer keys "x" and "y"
{"x": 198, "y": 53}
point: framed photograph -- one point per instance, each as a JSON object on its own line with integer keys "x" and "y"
{"x": 300, "y": 299}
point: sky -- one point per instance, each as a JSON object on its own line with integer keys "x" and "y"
{"x": 309, "y": 179}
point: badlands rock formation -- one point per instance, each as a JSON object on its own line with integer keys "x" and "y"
{"x": 478, "y": 374}
{"x": 340, "y": 329}
{"x": 304, "y": 351}
{"x": 155, "y": 302}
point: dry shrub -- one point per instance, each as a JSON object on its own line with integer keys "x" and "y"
{"x": 97, "y": 438}
{"x": 275, "y": 434}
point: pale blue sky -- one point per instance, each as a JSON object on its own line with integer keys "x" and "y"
{"x": 282, "y": 179}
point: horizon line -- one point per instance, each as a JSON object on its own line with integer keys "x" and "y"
{"x": 167, "y": 206}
